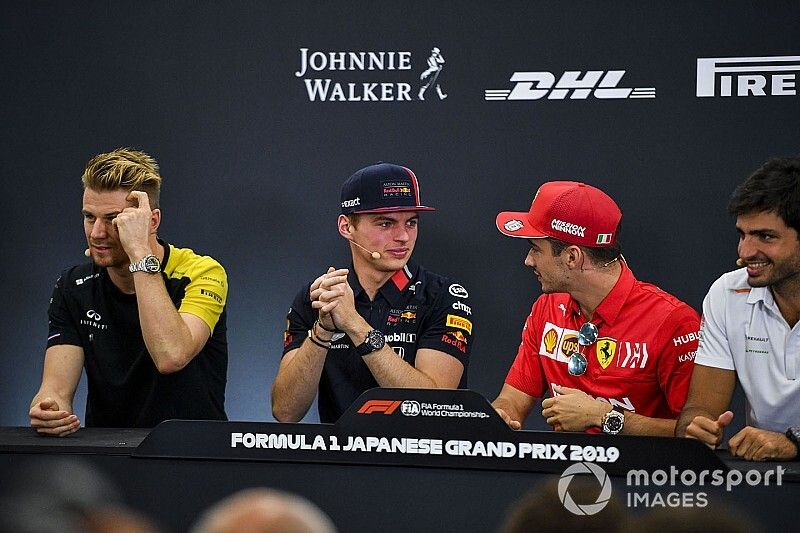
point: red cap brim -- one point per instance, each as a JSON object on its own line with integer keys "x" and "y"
{"x": 516, "y": 224}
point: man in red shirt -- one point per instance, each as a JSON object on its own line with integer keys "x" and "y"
{"x": 615, "y": 353}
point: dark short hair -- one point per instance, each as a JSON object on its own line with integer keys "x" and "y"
{"x": 597, "y": 256}
{"x": 354, "y": 219}
{"x": 773, "y": 187}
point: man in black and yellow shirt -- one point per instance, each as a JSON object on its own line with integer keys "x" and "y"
{"x": 385, "y": 321}
{"x": 144, "y": 318}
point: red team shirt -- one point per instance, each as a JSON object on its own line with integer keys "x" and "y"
{"x": 642, "y": 359}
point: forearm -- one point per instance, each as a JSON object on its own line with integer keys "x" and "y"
{"x": 636, "y": 424}
{"x": 63, "y": 365}
{"x": 166, "y": 335}
{"x": 687, "y": 415}
{"x": 64, "y": 401}
{"x": 510, "y": 408}
{"x": 390, "y": 370}
{"x": 296, "y": 384}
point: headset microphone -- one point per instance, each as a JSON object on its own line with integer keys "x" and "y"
{"x": 740, "y": 262}
{"x": 374, "y": 255}
{"x": 87, "y": 252}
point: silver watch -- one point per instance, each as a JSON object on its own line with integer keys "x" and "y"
{"x": 613, "y": 421}
{"x": 148, "y": 263}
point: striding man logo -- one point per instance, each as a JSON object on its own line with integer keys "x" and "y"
{"x": 432, "y": 74}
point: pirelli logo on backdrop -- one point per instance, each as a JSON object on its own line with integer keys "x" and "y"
{"x": 570, "y": 84}
{"x": 747, "y": 76}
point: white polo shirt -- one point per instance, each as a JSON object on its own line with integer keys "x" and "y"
{"x": 743, "y": 330}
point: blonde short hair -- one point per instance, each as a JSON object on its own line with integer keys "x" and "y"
{"x": 124, "y": 168}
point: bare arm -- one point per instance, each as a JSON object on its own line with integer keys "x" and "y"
{"x": 636, "y": 424}
{"x": 574, "y": 410}
{"x": 296, "y": 384}
{"x": 704, "y": 417}
{"x": 300, "y": 370}
{"x": 710, "y": 394}
{"x": 513, "y": 406}
{"x": 433, "y": 368}
{"x": 51, "y": 407}
{"x": 173, "y": 339}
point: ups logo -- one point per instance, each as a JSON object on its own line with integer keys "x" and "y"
{"x": 569, "y": 345}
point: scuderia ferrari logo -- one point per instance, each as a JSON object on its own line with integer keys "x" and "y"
{"x": 605, "y": 351}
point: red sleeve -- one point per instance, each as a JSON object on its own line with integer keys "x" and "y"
{"x": 526, "y": 372}
{"x": 676, "y": 360}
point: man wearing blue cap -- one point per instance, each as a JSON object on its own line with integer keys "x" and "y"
{"x": 385, "y": 321}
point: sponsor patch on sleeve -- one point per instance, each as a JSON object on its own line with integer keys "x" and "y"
{"x": 454, "y": 321}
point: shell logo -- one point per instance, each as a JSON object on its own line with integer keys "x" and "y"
{"x": 550, "y": 340}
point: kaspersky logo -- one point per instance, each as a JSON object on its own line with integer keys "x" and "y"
{"x": 571, "y": 84}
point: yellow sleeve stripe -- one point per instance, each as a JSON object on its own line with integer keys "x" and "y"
{"x": 207, "y": 291}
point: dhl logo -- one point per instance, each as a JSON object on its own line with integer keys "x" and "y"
{"x": 550, "y": 339}
{"x": 386, "y": 407}
{"x": 454, "y": 321}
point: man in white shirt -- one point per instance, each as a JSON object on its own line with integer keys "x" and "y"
{"x": 750, "y": 325}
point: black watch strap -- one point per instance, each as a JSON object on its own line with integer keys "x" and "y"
{"x": 373, "y": 342}
{"x": 793, "y": 434}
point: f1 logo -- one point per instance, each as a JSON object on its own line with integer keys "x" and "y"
{"x": 386, "y": 407}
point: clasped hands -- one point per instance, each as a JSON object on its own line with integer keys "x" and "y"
{"x": 332, "y": 296}
{"x": 573, "y": 410}
{"x": 567, "y": 410}
{"x": 47, "y": 418}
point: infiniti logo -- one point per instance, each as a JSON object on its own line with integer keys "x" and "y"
{"x": 92, "y": 314}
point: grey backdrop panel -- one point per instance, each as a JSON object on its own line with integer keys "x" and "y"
{"x": 252, "y": 167}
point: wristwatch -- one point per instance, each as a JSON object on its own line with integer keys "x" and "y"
{"x": 793, "y": 434}
{"x": 373, "y": 342}
{"x": 148, "y": 263}
{"x": 613, "y": 421}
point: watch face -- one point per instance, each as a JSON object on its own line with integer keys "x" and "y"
{"x": 613, "y": 423}
{"x": 375, "y": 340}
{"x": 151, "y": 264}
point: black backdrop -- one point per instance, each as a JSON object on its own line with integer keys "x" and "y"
{"x": 252, "y": 167}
